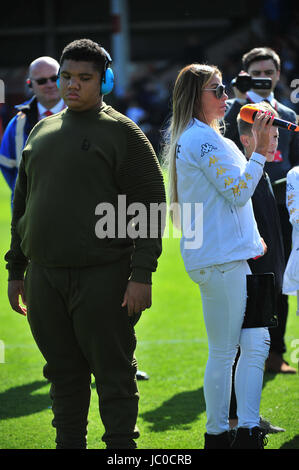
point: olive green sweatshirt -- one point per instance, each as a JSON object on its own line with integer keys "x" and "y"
{"x": 71, "y": 163}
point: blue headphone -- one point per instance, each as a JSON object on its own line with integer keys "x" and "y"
{"x": 107, "y": 82}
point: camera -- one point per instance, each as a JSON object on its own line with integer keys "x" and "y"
{"x": 246, "y": 82}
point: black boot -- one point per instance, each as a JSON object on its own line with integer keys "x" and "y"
{"x": 246, "y": 438}
{"x": 217, "y": 441}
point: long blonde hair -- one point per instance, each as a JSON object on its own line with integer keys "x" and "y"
{"x": 186, "y": 102}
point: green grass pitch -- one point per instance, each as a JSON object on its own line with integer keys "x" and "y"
{"x": 172, "y": 349}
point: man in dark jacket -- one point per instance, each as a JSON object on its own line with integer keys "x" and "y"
{"x": 44, "y": 102}
{"x": 264, "y": 62}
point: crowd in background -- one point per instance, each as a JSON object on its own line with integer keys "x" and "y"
{"x": 148, "y": 101}
{"x": 148, "y": 98}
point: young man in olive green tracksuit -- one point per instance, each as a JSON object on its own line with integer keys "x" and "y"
{"x": 84, "y": 291}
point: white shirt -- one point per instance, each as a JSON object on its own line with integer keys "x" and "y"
{"x": 256, "y": 98}
{"x": 56, "y": 109}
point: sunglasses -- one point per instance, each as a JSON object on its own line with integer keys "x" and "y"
{"x": 43, "y": 81}
{"x": 219, "y": 91}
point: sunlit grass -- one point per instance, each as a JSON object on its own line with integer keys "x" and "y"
{"x": 172, "y": 349}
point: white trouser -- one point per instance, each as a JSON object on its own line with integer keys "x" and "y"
{"x": 223, "y": 294}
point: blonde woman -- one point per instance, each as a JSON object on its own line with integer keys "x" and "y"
{"x": 208, "y": 168}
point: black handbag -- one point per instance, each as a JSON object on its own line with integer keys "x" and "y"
{"x": 261, "y": 301}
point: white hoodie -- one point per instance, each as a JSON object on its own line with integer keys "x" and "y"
{"x": 212, "y": 170}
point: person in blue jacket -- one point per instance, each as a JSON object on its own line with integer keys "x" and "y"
{"x": 44, "y": 102}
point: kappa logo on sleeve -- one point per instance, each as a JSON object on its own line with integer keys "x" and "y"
{"x": 207, "y": 148}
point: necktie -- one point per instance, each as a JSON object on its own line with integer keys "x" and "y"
{"x": 48, "y": 113}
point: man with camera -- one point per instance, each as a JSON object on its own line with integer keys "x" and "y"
{"x": 256, "y": 83}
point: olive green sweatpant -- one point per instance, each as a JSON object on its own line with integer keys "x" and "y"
{"x": 78, "y": 323}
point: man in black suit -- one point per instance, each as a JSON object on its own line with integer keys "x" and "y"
{"x": 264, "y": 62}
